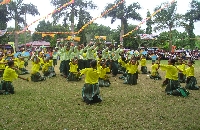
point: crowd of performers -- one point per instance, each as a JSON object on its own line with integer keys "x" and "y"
{"x": 96, "y": 64}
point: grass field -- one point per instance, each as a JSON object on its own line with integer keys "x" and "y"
{"x": 56, "y": 104}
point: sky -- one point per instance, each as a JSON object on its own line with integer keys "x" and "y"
{"x": 45, "y": 7}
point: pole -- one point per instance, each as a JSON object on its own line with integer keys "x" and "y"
{"x": 25, "y": 31}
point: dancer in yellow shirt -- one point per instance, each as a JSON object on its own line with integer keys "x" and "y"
{"x": 2, "y": 65}
{"x": 173, "y": 86}
{"x": 73, "y": 71}
{"x": 103, "y": 77}
{"x": 191, "y": 80}
{"x": 90, "y": 90}
{"x": 35, "y": 74}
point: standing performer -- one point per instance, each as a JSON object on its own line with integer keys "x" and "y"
{"x": 114, "y": 56}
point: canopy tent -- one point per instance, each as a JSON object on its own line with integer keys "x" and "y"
{"x": 38, "y": 44}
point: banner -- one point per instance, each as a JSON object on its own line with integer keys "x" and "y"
{"x": 73, "y": 38}
{"x": 100, "y": 37}
{"x": 44, "y": 35}
{"x": 2, "y": 32}
{"x": 5, "y": 2}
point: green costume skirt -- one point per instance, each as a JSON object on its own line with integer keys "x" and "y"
{"x": 50, "y": 72}
{"x": 6, "y": 87}
{"x": 23, "y": 71}
{"x": 61, "y": 68}
{"x": 174, "y": 88}
{"x": 132, "y": 79}
{"x": 90, "y": 93}
{"x": 37, "y": 77}
{"x": 104, "y": 82}
{"x": 54, "y": 62}
{"x": 73, "y": 77}
{"x": 144, "y": 69}
{"x": 181, "y": 77}
{"x": 156, "y": 76}
{"x": 191, "y": 83}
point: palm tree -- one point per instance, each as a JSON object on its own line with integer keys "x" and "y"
{"x": 17, "y": 9}
{"x": 123, "y": 13}
{"x": 72, "y": 11}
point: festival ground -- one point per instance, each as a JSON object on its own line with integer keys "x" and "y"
{"x": 57, "y": 104}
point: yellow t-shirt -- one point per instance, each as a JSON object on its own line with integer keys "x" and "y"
{"x": 103, "y": 71}
{"x": 190, "y": 71}
{"x": 73, "y": 68}
{"x": 35, "y": 68}
{"x": 181, "y": 67}
{"x": 143, "y": 62}
{"x": 2, "y": 64}
{"x": 41, "y": 60}
{"x": 132, "y": 69}
{"x": 21, "y": 64}
{"x": 154, "y": 68}
{"x": 92, "y": 75}
{"x": 50, "y": 63}
{"x": 171, "y": 71}
{"x": 45, "y": 66}
{"x": 9, "y": 74}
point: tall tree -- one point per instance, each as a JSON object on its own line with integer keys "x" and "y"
{"x": 123, "y": 13}
{"x": 149, "y": 23}
{"x": 84, "y": 17}
{"x": 3, "y": 23}
{"x": 192, "y": 16}
{"x": 17, "y": 10}
{"x": 167, "y": 18}
{"x": 71, "y": 11}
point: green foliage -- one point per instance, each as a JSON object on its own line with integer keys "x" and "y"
{"x": 133, "y": 41}
{"x": 192, "y": 16}
{"x": 167, "y": 18}
{"x": 149, "y": 24}
{"x": 98, "y": 30}
{"x": 3, "y": 23}
{"x": 84, "y": 17}
{"x": 21, "y": 37}
{"x": 49, "y": 27}
{"x": 123, "y": 13}
{"x": 72, "y": 11}
{"x": 17, "y": 11}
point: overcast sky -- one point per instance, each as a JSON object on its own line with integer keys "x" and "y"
{"x": 45, "y": 7}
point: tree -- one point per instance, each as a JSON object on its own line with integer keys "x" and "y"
{"x": 3, "y": 23}
{"x": 123, "y": 13}
{"x": 48, "y": 27}
{"x": 84, "y": 17}
{"x": 98, "y": 30}
{"x": 167, "y": 19}
{"x": 17, "y": 9}
{"x": 192, "y": 16}
{"x": 71, "y": 11}
{"x": 134, "y": 40}
{"x": 149, "y": 24}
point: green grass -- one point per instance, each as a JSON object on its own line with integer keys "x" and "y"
{"x": 56, "y": 104}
